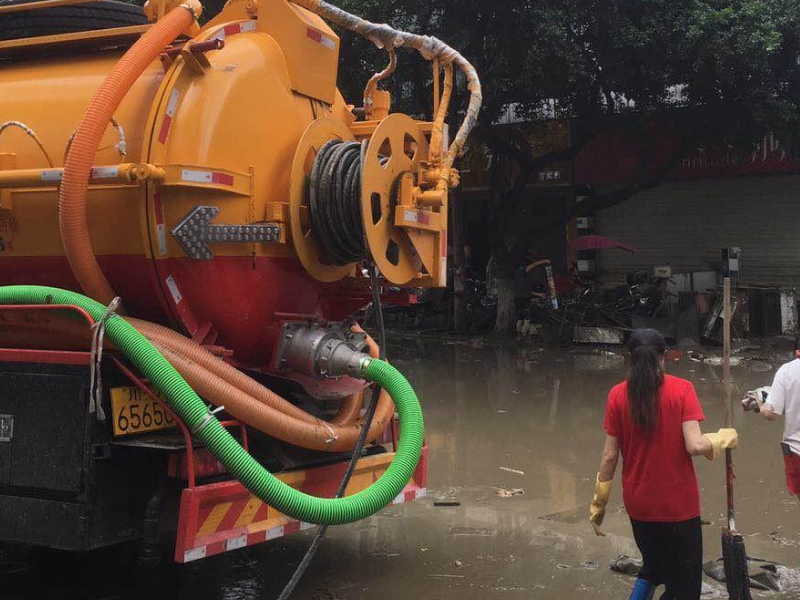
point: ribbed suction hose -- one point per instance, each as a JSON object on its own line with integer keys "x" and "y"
{"x": 191, "y": 409}
{"x": 72, "y": 205}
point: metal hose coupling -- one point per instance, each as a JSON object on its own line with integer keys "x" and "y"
{"x": 329, "y": 350}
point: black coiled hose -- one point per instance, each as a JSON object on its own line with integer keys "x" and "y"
{"x": 334, "y": 197}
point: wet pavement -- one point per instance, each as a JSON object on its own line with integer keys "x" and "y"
{"x": 514, "y": 436}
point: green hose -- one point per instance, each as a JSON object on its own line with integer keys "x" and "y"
{"x": 188, "y": 405}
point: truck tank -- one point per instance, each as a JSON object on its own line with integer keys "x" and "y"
{"x": 224, "y": 136}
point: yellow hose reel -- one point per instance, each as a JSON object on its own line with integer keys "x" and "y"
{"x": 403, "y": 206}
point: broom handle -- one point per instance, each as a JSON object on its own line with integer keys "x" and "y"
{"x": 726, "y": 383}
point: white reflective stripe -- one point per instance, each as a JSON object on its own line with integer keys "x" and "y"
{"x": 236, "y": 543}
{"x": 421, "y": 493}
{"x": 304, "y": 525}
{"x": 327, "y": 42}
{"x": 194, "y": 554}
{"x": 196, "y": 176}
{"x": 172, "y": 105}
{"x": 399, "y": 499}
{"x": 104, "y": 172}
{"x": 275, "y": 532}
{"x": 161, "y": 231}
{"x": 247, "y": 26}
{"x": 173, "y": 289}
{"x": 52, "y": 174}
{"x": 410, "y": 215}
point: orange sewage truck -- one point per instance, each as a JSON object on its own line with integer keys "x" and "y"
{"x": 210, "y": 186}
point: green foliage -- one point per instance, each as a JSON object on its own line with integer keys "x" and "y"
{"x": 734, "y": 61}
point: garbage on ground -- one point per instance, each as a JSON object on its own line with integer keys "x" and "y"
{"x": 759, "y": 366}
{"x": 446, "y": 503}
{"x": 510, "y": 470}
{"x": 763, "y": 575}
{"x": 716, "y": 361}
{"x": 626, "y": 565}
{"x": 598, "y": 335}
{"x": 508, "y": 493}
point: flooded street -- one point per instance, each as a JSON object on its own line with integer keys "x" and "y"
{"x": 514, "y": 437}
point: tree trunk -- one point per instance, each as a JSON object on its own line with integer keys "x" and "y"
{"x": 506, "y": 306}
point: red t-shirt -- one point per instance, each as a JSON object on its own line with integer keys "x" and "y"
{"x": 658, "y": 480}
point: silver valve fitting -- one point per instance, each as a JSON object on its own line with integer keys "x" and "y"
{"x": 323, "y": 351}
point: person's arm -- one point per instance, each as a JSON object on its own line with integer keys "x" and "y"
{"x": 602, "y": 485}
{"x": 765, "y": 410}
{"x": 694, "y": 440}
{"x": 707, "y": 444}
{"x": 776, "y": 400}
{"x": 609, "y": 459}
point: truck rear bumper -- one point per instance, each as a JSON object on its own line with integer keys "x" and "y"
{"x": 221, "y": 517}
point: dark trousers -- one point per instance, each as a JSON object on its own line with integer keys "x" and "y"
{"x": 673, "y": 556}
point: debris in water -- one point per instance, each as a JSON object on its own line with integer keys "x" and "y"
{"x": 562, "y": 566}
{"x": 695, "y": 356}
{"x": 510, "y": 470}
{"x": 589, "y": 564}
{"x": 502, "y": 411}
{"x": 458, "y": 563}
{"x": 483, "y": 532}
{"x": 760, "y": 366}
{"x": 507, "y": 493}
{"x": 626, "y": 565}
{"x": 446, "y": 503}
{"x": 716, "y": 361}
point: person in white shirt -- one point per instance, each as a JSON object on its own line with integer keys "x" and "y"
{"x": 784, "y": 399}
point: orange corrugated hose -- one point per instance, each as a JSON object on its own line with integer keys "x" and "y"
{"x": 194, "y": 353}
{"x": 321, "y": 435}
{"x": 72, "y": 206}
{"x": 214, "y": 379}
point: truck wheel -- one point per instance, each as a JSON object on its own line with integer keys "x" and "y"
{"x": 102, "y": 14}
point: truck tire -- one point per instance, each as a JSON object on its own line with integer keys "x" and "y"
{"x": 102, "y": 14}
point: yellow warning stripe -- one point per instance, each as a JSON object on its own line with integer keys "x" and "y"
{"x": 249, "y": 512}
{"x": 214, "y": 518}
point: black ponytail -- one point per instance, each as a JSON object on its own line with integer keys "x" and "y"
{"x": 647, "y": 348}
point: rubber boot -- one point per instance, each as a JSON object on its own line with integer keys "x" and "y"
{"x": 642, "y": 590}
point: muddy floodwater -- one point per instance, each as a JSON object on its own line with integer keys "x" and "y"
{"x": 514, "y": 435}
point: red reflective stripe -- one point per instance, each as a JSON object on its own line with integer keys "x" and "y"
{"x": 222, "y": 178}
{"x": 314, "y": 35}
{"x": 232, "y": 29}
{"x": 159, "y": 210}
{"x": 291, "y": 527}
{"x": 164, "y": 131}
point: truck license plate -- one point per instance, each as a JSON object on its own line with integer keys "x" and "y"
{"x": 136, "y": 412}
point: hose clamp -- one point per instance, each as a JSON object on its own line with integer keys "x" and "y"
{"x": 206, "y": 420}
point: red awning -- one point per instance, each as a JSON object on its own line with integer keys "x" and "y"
{"x": 598, "y": 242}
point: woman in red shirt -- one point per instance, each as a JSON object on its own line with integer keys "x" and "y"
{"x": 653, "y": 419}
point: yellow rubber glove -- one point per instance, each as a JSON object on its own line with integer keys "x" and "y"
{"x": 597, "y": 509}
{"x": 723, "y": 439}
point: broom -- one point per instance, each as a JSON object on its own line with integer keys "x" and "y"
{"x": 734, "y": 555}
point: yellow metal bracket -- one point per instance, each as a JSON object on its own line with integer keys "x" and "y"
{"x": 211, "y": 178}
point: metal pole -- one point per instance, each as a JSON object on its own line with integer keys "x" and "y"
{"x": 726, "y": 386}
